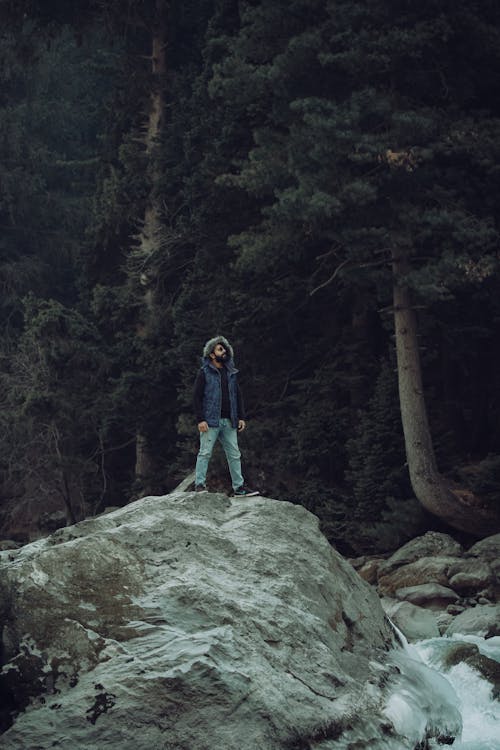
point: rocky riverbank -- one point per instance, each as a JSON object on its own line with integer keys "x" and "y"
{"x": 433, "y": 586}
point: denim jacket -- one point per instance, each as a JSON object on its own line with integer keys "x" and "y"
{"x": 212, "y": 397}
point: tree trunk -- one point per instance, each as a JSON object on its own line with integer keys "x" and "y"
{"x": 66, "y": 493}
{"x": 143, "y": 463}
{"x": 149, "y": 238}
{"x": 458, "y": 507}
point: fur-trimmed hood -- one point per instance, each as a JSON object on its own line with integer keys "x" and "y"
{"x": 211, "y": 343}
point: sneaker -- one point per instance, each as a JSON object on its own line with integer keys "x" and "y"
{"x": 200, "y": 488}
{"x": 244, "y": 491}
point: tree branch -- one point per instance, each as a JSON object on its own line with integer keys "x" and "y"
{"x": 332, "y": 277}
{"x": 384, "y": 262}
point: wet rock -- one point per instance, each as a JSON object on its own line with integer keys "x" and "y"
{"x": 414, "y": 622}
{"x": 468, "y": 653}
{"x": 425, "y": 570}
{"x": 483, "y": 620}
{"x": 431, "y": 544}
{"x": 444, "y": 620}
{"x": 428, "y": 595}
{"x": 487, "y": 549}
{"x": 470, "y": 576}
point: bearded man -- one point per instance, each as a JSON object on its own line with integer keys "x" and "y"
{"x": 220, "y": 414}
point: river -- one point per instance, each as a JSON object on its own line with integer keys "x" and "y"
{"x": 479, "y": 710}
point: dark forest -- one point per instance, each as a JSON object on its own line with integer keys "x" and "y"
{"x": 316, "y": 180}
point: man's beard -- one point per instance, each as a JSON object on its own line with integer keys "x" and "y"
{"x": 221, "y": 357}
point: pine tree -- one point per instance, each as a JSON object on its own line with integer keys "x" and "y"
{"x": 54, "y": 414}
{"x": 378, "y": 473}
{"x": 364, "y": 152}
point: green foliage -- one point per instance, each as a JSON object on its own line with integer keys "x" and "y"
{"x": 381, "y": 514}
{"x": 50, "y": 115}
{"x": 54, "y": 409}
{"x": 483, "y": 477}
{"x": 354, "y": 153}
{"x": 377, "y": 460}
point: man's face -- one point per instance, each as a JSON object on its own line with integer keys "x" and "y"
{"x": 219, "y": 353}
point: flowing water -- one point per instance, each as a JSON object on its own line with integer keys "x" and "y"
{"x": 480, "y": 711}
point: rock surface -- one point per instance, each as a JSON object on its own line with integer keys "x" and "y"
{"x": 482, "y": 620}
{"x": 435, "y": 572}
{"x": 430, "y": 595}
{"x": 468, "y": 653}
{"x": 192, "y": 622}
{"x": 8, "y": 544}
{"x": 431, "y": 544}
{"x": 416, "y": 623}
{"x": 487, "y": 549}
{"x": 425, "y": 570}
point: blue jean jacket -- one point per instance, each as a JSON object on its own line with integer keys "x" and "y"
{"x": 212, "y": 398}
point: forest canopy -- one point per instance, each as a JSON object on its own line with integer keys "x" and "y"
{"x": 316, "y": 180}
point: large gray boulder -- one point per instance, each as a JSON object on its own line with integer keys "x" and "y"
{"x": 431, "y": 595}
{"x": 468, "y": 653}
{"x": 423, "y": 571}
{"x": 470, "y": 576}
{"x": 194, "y": 622}
{"x": 487, "y": 549}
{"x": 430, "y": 544}
{"x": 483, "y": 620}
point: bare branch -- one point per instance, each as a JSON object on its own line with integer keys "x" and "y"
{"x": 327, "y": 254}
{"x": 384, "y": 262}
{"x": 332, "y": 277}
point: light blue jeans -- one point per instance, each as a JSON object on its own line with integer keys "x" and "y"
{"x": 228, "y": 437}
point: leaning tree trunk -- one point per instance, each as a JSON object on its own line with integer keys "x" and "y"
{"x": 149, "y": 238}
{"x": 458, "y": 507}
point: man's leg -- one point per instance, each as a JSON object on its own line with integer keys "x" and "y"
{"x": 228, "y": 436}
{"x": 207, "y": 442}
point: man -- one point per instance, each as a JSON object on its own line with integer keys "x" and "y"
{"x": 219, "y": 411}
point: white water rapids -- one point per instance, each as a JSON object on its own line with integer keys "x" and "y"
{"x": 457, "y": 701}
{"x": 480, "y": 711}
{"x": 428, "y": 705}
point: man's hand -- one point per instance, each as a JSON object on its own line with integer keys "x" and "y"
{"x": 203, "y": 426}
{"x": 241, "y": 425}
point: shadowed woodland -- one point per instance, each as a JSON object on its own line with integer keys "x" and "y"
{"x": 317, "y": 180}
